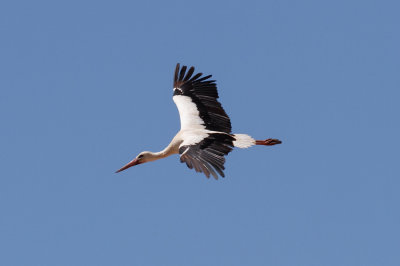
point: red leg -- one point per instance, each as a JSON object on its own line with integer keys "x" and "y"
{"x": 268, "y": 142}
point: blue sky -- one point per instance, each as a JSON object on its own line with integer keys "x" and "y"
{"x": 86, "y": 85}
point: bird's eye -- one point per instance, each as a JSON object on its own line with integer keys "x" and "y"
{"x": 140, "y": 156}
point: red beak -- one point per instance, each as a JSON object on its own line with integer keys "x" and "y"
{"x": 130, "y": 164}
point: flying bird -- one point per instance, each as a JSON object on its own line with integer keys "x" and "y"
{"x": 205, "y": 137}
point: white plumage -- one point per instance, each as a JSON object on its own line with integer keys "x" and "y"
{"x": 205, "y": 137}
{"x": 243, "y": 141}
{"x": 188, "y": 113}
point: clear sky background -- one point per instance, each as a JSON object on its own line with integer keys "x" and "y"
{"x": 86, "y": 85}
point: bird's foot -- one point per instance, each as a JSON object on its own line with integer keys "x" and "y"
{"x": 268, "y": 142}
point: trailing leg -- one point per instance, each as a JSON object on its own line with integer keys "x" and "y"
{"x": 268, "y": 142}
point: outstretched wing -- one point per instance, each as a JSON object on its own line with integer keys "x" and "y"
{"x": 207, "y": 156}
{"x": 196, "y": 99}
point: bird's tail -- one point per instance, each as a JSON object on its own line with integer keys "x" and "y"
{"x": 245, "y": 141}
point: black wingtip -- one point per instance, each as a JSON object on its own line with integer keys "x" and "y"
{"x": 176, "y": 72}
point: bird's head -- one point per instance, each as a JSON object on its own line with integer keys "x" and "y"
{"x": 143, "y": 157}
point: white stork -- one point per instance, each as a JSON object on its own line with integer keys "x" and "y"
{"x": 205, "y": 136}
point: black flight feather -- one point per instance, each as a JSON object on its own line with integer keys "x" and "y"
{"x": 204, "y": 94}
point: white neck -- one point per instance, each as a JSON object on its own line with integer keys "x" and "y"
{"x": 161, "y": 154}
{"x": 172, "y": 148}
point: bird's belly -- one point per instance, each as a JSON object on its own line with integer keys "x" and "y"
{"x": 192, "y": 137}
